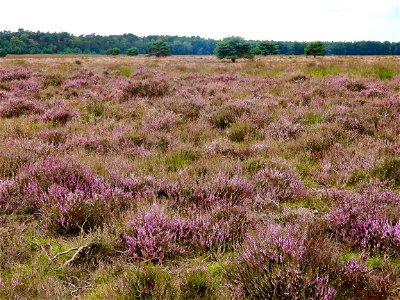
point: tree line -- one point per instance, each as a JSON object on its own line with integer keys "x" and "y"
{"x": 28, "y": 42}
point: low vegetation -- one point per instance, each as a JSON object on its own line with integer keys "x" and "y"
{"x": 136, "y": 177}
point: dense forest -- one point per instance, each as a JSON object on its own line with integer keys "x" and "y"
{"x": 28, "y": 42}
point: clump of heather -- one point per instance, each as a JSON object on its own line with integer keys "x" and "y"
{"x": 27, "y": 88}
{"x": 271, "y": 265}
{"x": 18, "y": 73}
{"x": 16, "y": 107}
{"x": 59, "y": 114}
{"x": 67, "y": 195}
{"x": 368, "y": 220}
{"x": 157, "y": 235}
{"x": 153, "y": 87}
{"x": 208, "y": 192}
{"x": 222, "y": 229}
{"x": 283, "y": 130}
{"x": 279, "y": 185}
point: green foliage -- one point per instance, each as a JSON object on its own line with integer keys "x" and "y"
{"x": 315, "y": 49}
{"x": 149, "y": 283}
{"x": 266, "y": 48}
{"x": 314, "y": 119}
{"x": 132, "y": 51}
{"x": 3, "y": 52}
{"x": 159, "y": 49}
{"x": 384, "y": 73}
{"x": 356, "y": 177}
{"x": 388, "y": 170}
{"x": 223, "y": 119}
{"x": 176, "y": 161}
{"x": 233, "y": 48}
{"x": 238, "y": 132}
{"x": 113, "y": 51}
{"x": 198, "y": 284}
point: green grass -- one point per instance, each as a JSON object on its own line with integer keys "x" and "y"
{"x": 176, "y": 161}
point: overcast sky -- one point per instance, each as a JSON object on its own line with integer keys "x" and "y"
{"x": 302, "y": 20}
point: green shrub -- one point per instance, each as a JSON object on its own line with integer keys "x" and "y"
{"x": 238, "y": 132}
{"x": 3, "y": 53}
{"x": 388, "y": 170}
{"x": 176, "y": 161}
{"x": 113, "y": 51}
{"x": 132, "y": 51}
{"x": 148, "y": 282}
{"x": 223, "y": 119}
{"x": 198, "y": 284}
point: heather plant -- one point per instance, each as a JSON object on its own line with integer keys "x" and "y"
{"x": 270, "y": 267}
{"x": 279, "y": 185}
{"x": 156, "y": 236}
{"x": 189, "y": 177}
{"x": 59, "y": 115}
{"x": 154, "y": 87}
{"x": 66, "y": 194}
{"x": 367, "y": 221}
{"x": 19, "y": 73}
{"x": 16, "y": 107}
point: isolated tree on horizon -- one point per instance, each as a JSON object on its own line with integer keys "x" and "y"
{"x": 266, "y": 48}
{"x": 315, "y": 49}
{"x": 233, "y": 48}
{"x": 158, "y": 49}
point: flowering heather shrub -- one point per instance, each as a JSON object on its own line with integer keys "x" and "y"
{"x": 278, "y": 185}
{"x": 27, "y": 88}
{"x": 283, "y": 130}
{"x": 320, "y": 138}
{"x": 367, "y": 220}
{"x": 154, "y": 87}
{"x": 363, "y": 282}
{"x": 356, "y": 124}
{"x": 177, "y": 133}
{"x": 156, "y": 236}
{"x": 221, "y": 188}
{"x": 160, "y": 121}
{"x": 52, "y": 136}
{"x": 270, "y": 266}
{"x": 222, "y": 229}
{"x": 59, "y": 115}
{"x": 68, "y": 197}
{"x": 16, "y": 107}
{"x": 18, "y": 73}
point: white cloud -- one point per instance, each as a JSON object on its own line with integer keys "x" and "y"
{"x": 252, "y": 19}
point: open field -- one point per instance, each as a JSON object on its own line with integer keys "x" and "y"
{"x": 194, "y": 178}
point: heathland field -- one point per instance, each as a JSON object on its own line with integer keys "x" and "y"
{"x": 196, "y": 178}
